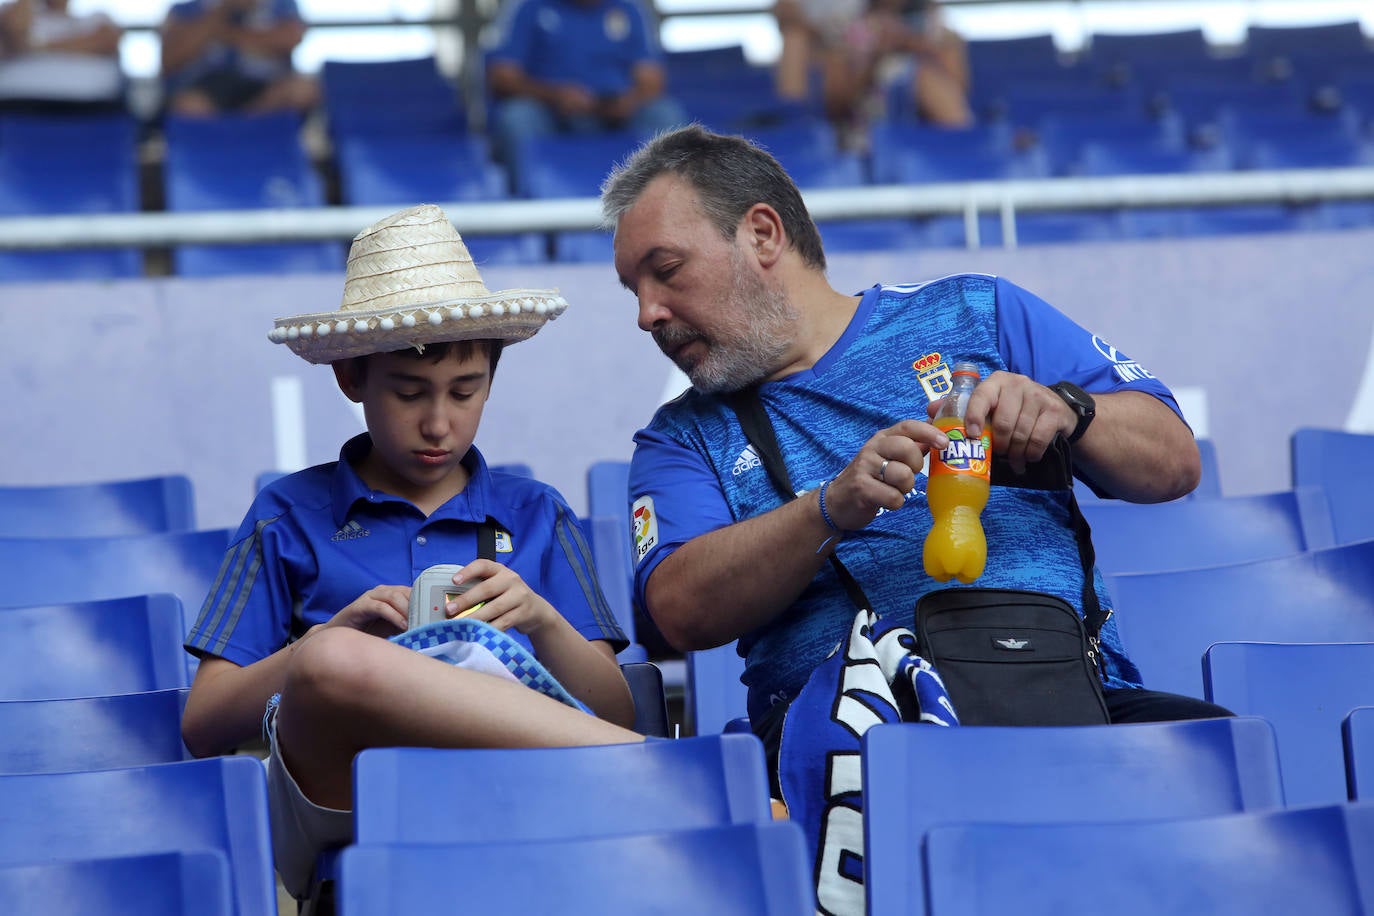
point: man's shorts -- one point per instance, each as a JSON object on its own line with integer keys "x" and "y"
{"x": 301, "y": 829}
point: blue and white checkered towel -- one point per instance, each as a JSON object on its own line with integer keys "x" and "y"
{"x": 480, "y": 646}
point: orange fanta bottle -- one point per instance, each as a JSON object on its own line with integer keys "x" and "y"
{"x": 957, "y": 488}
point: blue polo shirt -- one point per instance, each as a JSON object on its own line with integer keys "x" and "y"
{"x": 596, "y": 45}
{"x": 313, "y": 541}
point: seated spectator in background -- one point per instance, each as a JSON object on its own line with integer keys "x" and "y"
{"x": 577, "y": 66}
{"x": 52, "y": 61}
{"x": 223, "y": 56}
{"x": 864, "y": 48}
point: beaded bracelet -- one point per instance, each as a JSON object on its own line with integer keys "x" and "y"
{"x": 829, "y": 522}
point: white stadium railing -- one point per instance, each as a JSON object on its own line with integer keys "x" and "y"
{"x": 157, "y": 229}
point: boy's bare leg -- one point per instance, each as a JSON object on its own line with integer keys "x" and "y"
{"x": 347, "y": 690}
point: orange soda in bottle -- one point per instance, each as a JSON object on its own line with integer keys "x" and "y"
{"x": 957, "y": 488}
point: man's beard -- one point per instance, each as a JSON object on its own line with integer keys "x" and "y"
{"x": 747, "y": 345}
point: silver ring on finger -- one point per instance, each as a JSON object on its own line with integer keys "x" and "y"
{"x": 882, "y": 470}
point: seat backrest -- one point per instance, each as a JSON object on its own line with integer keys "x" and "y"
{"x": 1307, "y": 860}
{"x": 568, "y": 165}
{"x": 1191, "y": 533}
{"x": 92, "y": 648}
{"x": 98, "y": 509}
{"x": 92, "y": 732}
{"x": 917, "y": 776}
{"x": 611, "y": 537}
{"x": 192, "y": 882}
{"x": 1357, "y": 736}
{"x": 409, "y": 97}
{"x": 715, "y": 695}
{"x": 387, "y": 169}
{"x": 216, "y": 803}
{"x": 1168, "y": 619}
{"x": 547, "y": 793}
{"x": 1305, "y": 691}
{"x": 738, "y": 870}
{"x": 41, "y": 571}
{"x": 1343, "y": 464}
{"x": 651, "y": 701}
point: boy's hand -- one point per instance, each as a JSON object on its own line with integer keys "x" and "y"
{"x": 507, "y": 603}
{"x": 380, "y": 611}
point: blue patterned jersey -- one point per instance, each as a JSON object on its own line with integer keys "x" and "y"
{"x": 694, "y": 471}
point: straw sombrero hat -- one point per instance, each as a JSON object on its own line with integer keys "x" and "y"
{"x": 410, "y": 281}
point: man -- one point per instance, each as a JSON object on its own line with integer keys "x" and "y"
{"x": 223, "y": 56}
{"x": 577, "y": 66}
{"x": 714, "y": 240}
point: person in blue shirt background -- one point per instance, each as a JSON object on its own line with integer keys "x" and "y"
{"x": 323, "y": 563}
{"x": 576, "y": 66}
{"x": 234, "y": 55}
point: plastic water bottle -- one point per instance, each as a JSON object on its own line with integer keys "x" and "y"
{"x": 957, "y": 489}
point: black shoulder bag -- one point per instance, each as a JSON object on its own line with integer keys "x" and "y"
{"x": 1006, "y": 657}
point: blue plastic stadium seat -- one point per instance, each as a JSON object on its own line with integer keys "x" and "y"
{"x": 559, "y": 792}
{"x": 1191, "y": 533}
{"x": 715, "y": 696}
{"x": 917, "y": 777}
{"x": 1107, "y": 49}
{"x": 1342, "y": 463}
{"x": 405, "y": 97}
{"x": 92, "y": 732}
{"x": 741, "y": 870}
{"x": 43, "y": 571}
{"x": 397, "y": 169}
{"x": 1357, "y": 737}
{"x": 216, "y": 803}
{"x": 1167, "y": 620}
{"x": 389, "y": 169}
{"x": 1305, "y": 690}
{"x": 63, "y": 165}
{"x": 651, "y": 700}
{"x": 703, "y": 64}
{"x": 133, "y": 506}
{"x": 864, "y": 235}
{"x": 244, "y": 162}
{"x": 568, "y": 165}
{"x": 89, "y": 648}
{"x": 191, "y": 882}
{"x": 1339, "y": 38}
{"x": 1309, "y": 860}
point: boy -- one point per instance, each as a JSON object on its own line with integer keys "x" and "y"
{"x": 321, "y": 567}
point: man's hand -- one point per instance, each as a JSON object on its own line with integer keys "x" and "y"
{"x": 881, "y": 474}
{"x": 1024, "y": 417}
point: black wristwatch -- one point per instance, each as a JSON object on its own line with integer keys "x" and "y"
{"x": 1080, "y": 402}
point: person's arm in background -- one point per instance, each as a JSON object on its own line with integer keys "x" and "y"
{"x": 16, "y": 19}
{"x": 184, "y": 40}
{"x": 103, "y": 39}
{"x": 276, "y": 39}
{"x": 509, "y": 80}
{"x": 647, "y": 83}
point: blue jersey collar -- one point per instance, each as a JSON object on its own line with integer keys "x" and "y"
{"x": 473, "y": 504}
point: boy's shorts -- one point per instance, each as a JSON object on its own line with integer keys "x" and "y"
{"x": 301, "y": 829}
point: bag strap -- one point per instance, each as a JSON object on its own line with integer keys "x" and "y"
{"x": 486, "y": 540}
{"x": 759, "y": 430}
{"x": 753, "y": 419}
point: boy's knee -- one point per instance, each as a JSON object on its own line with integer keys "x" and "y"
{"x": 333, "y": 666}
